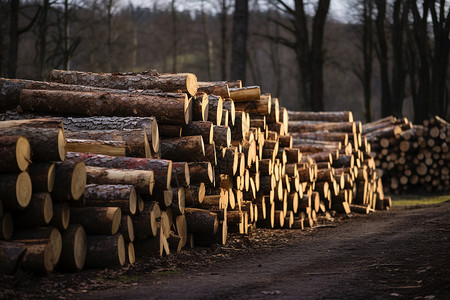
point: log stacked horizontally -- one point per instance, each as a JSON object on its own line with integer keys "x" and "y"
{"x": 159, "y": 162}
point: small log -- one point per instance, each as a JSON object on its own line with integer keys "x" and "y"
{"x": 200, "y": 221}
{"x": 201, "y": 172}
{"x": 61, "y": 216}
{"x": 15, "y": 152}
{"x": 70, "y": 180}
{"x": 16, "y": 190}
{"x": 215, "y": 109}
{"x": 97, "y": 220}
{"x": 222, "y": 136}
{"x": 42, "y": 176}
{"x": 74, "y": 248}
{"x": 200, "y": 109}
{"x": 219, "y": 88}
{"x": 38, "y": 213}
{"x": 142, "y": 180}
{"x": 194, "y": 194}
{"x": 180, "y": 174}
{"x": 145, "y": 224}
{"x": 228, "y": 105}
{"x": 203, "y": 128}
{"x": 162, "y": 169}
{"x": 105, "y": 251}
{"x": 126, "y": 228}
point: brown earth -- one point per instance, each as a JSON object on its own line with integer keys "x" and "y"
{"x": 396, "y": 254}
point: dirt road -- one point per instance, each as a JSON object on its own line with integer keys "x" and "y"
{"x": 398, "y": 254}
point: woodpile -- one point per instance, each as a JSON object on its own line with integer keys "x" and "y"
{"x": 159, "y": 162}
{"x": 411, "y": 157}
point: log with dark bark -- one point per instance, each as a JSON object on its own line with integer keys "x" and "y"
{"x": 74, "y": 248}
{"x": 105, "y": 251}
{"x": 170, "y": 130}
{"x": 15, "y": 152}
{"x": 201, "y": 172}
{"x": 200, "y": 107}
{"x": 188, "y": 148}
{"x": 222, "y": 136}
{"x": 185, "y": 82}
{"x": 229, "y": 106}
{"x": 258, "y": 107}
{"x": 200, "y": 221}
{"x": 215, "y": 109}
{"x": 329, "y": 116}
{"x": 112, "y": 195}
{"x": 178, "y": 202}
{"x": 6, "y": 226}
{"x": 16, "y": 190}
{"x": 194, "y": 194}
{"x": 38, "y": 257}
{"x": 145, "y": 224}
{"x": 126, "y": 228}
{"x": 249, "y": 93}
{"x": 227, "y": 160}
{"x": 162, "y": 169}
{"x": 170, "y": 108}
{"x": 42, "y": 176}
{"x": 61, "y": 216}
{"x": 11, "y": 255}
{"x": 203, "y": 128}
{"x": 38, "y": 213}
{"x": 46, "y": 137}
{"x": 142, "y": 180}
{"x": 97, "y": 220}
{"x": 218, "y": 88}
{"x": 180, "y": 174}
{"x": 311, "y": 126}
{"x": 70, "y": 180}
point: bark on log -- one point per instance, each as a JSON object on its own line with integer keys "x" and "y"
{"x": 11, "y": 256}
{"x": 311, "y": 126}
{"x": 38, "y": 213}
{"x": 42, "y": 176}
{"x": 228, "y": 105}
{"x": 142, "y": 180}
{"x": 112, "y": 195}
{"x": 194, "y": 194}
{"x": 6, "y": 226}
{"x": 61, "y": 216}
{"x": 200, "y": 109}
{"x": 180, "y": 174}
{"x": 105, "y": 251}
{"x": 38, "y": 257}
{"x": 70, "y": 180}
{"x": 126, "y": 228}
{"x": 15, "y": 152}
{"x": 145, "y": 224}
{"x": 227, "y": 161}
{"x": 185, "y": 82}
{"x": 215, "y": 109}
{"x": 188, "y": 148}
{"x": 200, "y": 221}
{"x": 210, "y": 154}
{"x": 328, "y": 116}
{"x": 162, "y": 169}
{"x": 74, "y": 248}
{"x": 16, "y": 190}
{"x": 201, "y": 172}
{"x": 259, "y": 107}
{"x": 203, "y": 128}
{"x": 170, "y": 130}
{"x": 97, "y": 220}
{"x": 46, "y": 137}
{"x": 249, "y": 93}
{"x": 173, "y": 108}
{"x": 222, "y": 136}
{"x": 218, "y": 88}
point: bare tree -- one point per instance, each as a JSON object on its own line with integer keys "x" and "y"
{"x": 239, "y": 43}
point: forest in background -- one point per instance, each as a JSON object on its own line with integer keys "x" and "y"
{"x": 386, "y": 57}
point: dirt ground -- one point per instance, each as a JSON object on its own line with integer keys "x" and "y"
{"x": 402, "y": 253}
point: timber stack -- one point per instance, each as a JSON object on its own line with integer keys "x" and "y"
{"x": 411, "y": 157}
{"x": 159, "y": 162}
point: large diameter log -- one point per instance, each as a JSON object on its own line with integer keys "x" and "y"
{"x": 46, "y": 137}
{"x": 38, "y": 213}
{"x": 162, "y": 169}
{"x": 180, "y": 174}
{"x": 114, "y": 195}
{"x": 97, "y": 220}
{"x": 188, "y": 148}
{"x": 42, "y": 176}
{"x": 105, "y": 251}
{"x": 136, "y": 140}
{"x": 200, "y": 221}
{"x": 325, "y": 116}
{"x": 74, "y": 248}
{"x": 249, "y": 93}
{"x": 173, "y": 108}
{"x": 49, "y": 235}
{"x": 38, "y": 257}
{"x": 185, "y": 82}
{"x": 70, "y": 180}
{"x": 11, "y": 255}
{"x": 142, "y": 180}
{"x": 15, "y": 152}
{"x": 16, "y": 190}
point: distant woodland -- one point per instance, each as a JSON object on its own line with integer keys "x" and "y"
{"x": 384, "y": 57}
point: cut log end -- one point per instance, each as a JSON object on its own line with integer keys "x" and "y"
{"x": 23, "y": 153}
{"x": 78, "y": 183}
{"x": 23, "y": 189}
{"x": 61, "y": 145}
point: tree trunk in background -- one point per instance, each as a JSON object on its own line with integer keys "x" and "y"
{"x": 367, "y": 57}
{"x": 13, "y": 38}
{"x": 109, "y": 6}
{"x": 43, "y": 31}
{"x": 66, "y": 36}
{"x": 174, "y": 37}
{"x": 382, "y": 53}
{"x": 239, "y": 52}
{"x": 223, "y": 38}
{"x": 208, "y": 43}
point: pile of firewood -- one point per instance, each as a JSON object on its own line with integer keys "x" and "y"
{"x": 159, "y": 162}
{"x": 411, "y": 157}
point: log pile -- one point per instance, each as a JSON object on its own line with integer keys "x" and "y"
{"x": 165, "y": 162}
{"x": 411, "y": 157}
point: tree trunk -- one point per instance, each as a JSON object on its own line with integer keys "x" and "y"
{"x": 239, "y": 43}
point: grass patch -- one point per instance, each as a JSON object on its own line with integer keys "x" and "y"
{"x": 167, "y": 272}
{"x": 128, "y": 278}
{"x": 415, "y": 200}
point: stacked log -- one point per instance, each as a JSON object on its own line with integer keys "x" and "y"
{"x": 229, "y": 159}
{"x": 411, "y": 157}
